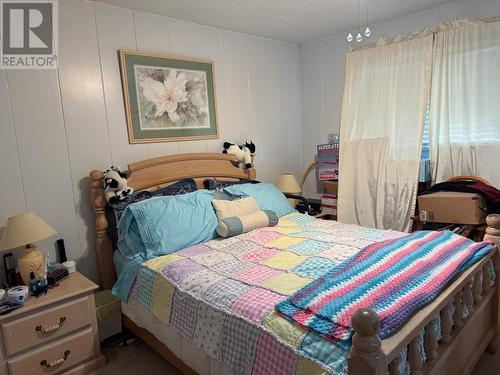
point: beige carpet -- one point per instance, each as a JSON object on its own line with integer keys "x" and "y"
{"x": 134, "y": 359}
{"x": 140, "y": 359}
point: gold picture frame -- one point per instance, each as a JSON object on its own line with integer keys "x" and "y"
{"x": 168, "y": 98}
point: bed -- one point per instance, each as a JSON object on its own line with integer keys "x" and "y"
{"x": 454, "y": 349}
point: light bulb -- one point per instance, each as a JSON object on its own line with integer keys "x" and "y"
{"x": 368, "y": 32}
{"x": 359, "y": 38}
{"x": 349, "y": 37}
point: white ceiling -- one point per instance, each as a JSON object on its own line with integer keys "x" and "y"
{"x": 289, "y": 20}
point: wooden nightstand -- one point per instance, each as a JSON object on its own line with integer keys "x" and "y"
{"x": 56, "y": 333}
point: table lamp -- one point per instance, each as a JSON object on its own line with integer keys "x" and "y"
{"x": 288, "y": 184}
{"x": 23, "y": 230}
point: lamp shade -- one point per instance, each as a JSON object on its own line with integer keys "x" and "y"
{"x": 24, "y": 229}
{"x": 287, "y": 183}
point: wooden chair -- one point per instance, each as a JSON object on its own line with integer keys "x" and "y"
{"x": 474, "y": 178}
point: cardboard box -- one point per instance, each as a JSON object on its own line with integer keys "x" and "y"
{"x": 329, "y": 204}
{"x": 330, "y": 187}
{"x": 328, "y": 161}
{"x": 452, "y": 207}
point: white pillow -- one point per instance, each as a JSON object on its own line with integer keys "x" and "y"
{"x": 234, "y": 225}
{"x": 238, "y": 207}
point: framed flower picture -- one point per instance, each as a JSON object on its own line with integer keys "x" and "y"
{"x": 168, "y": 98}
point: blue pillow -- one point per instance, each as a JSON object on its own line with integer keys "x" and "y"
{"x": 114, "y": 211}
{"x": 268, "y": 197}
{"x": 163, "y": 225}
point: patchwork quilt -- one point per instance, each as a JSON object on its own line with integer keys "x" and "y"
{"x": 221, "y": 294}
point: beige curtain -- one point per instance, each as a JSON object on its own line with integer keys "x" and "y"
{"x": 465, "y": 101}
{"x": 383, "y": 112}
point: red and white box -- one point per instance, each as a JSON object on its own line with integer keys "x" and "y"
{"x": 329, "y": 204}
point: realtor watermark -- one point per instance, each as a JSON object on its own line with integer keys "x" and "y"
{"x": 29, "y": 34}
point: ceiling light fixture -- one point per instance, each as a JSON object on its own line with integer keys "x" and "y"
{"x": 349, "y": 36}
{"x": 368, "y": 32}
{"x": 359, "y": 36}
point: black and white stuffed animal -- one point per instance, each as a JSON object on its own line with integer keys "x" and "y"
{"x": 115, "y": 185}
{"x": 244, "y": 153}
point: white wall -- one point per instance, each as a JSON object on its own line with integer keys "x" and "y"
{"x": 323, "y": 68}
{"x": 58, "y": 125}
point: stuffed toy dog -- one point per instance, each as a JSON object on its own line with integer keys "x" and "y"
{"x": 115, "y": 185}
{"x": 244, "y": 153}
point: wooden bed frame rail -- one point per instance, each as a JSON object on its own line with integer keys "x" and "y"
{"x": 462, "y": 341}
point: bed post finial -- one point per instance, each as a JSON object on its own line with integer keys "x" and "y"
{"x": 366, "y": 356}
{"x": 103, "y": 244}
{"x": 493, "y": 234}
{"x": 493, "y": 229}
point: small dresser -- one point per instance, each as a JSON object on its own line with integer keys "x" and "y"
{"x": 54, "y": 334}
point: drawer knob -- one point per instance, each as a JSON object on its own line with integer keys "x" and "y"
{"x": 49, "y": 364}
{"x": 41, "y": 329}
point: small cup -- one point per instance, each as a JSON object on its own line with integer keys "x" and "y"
{"x": 70, "y": 265}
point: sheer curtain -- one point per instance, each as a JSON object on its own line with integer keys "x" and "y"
{"x": 383, "y": 112}
{"x": 465, "y": 101}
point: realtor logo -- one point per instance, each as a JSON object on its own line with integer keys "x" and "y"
{"x": 29, "y": 34}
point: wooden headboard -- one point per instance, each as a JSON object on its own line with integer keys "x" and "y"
{"x": 151, "y": 175}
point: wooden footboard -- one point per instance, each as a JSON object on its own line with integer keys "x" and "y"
{"x": 462, "y": 341}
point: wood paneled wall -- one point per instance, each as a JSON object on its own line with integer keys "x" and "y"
{"x": 58, "y": 125}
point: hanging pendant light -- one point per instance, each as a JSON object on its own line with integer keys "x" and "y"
{"x": 359, "y": 38}
{"x": 368, "y": 31}
{"x": 349, "y": 35}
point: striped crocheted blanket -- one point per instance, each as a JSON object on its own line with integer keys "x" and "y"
{"x": 395, "y": 278}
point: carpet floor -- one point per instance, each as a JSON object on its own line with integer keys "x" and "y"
{"x": 134, "y": 359}
{"x": 140, "y": 359}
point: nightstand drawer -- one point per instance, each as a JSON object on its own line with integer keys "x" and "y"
{"x": 55, "y": 357}
{"x": 40, "y": 326}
